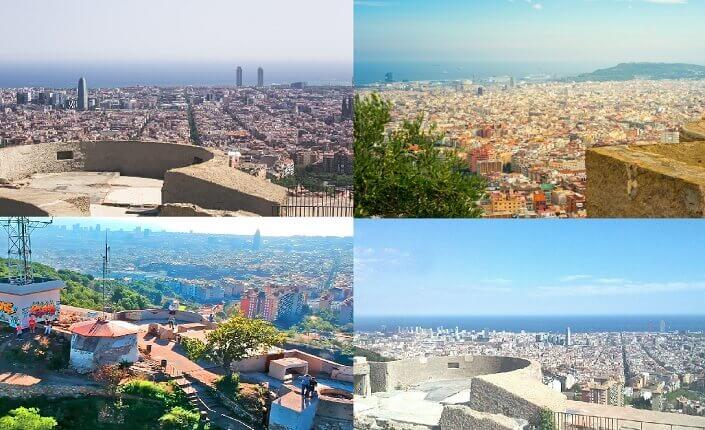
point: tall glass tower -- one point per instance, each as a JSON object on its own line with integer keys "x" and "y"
{"x": 238, "y": 79}
{"x": 260, "y": 77}
{"x": 82, "y": 103}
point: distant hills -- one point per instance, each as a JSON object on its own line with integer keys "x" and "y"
{"x": 653, "y": 71}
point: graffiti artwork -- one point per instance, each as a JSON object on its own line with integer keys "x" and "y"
{"x": 42, "y": 309}
{"x": 7, "y": 308}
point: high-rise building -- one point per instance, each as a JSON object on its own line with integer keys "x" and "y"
{"x": 238, "y": 78}
{"x": 347, "y": 111}
{"x": 260, "y": 77}
{"x": 257, "y": 240}
{"x": 568, "y": 340}
{"x": 82, "y": 103}
{"x": 24, "y": 97}
{"x": 662, "y": 326}
{"x": 388, "y": 77}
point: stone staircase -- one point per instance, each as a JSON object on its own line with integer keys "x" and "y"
{"x": 209, "y": 406}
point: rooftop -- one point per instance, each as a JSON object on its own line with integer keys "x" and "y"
{"x": 103, "y": 328}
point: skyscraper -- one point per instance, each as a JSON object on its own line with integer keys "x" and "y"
{"x": 388, "y": 77}
{"x": 257, "y": 240}
{"x": 260, "y": 77}
{"x": 82, "y": 103}
{"x": 568, "y": 340}
{"x": 238, "y": 79}
{"x": 662, "y": 326}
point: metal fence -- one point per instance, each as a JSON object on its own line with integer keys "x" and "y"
{"x": 567, "y": 421}
{"x": 332, "y": 202}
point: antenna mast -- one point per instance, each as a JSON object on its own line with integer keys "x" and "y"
{"x": 106, "y": 259}
{"x": 19, "y": 248}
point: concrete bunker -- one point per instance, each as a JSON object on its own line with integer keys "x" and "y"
{"x": 450, "y": 393}
{"x": 47, "y": 179}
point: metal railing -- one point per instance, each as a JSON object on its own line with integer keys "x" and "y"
{"x": 568, "y": 421}
{"x": 332, "y": 202}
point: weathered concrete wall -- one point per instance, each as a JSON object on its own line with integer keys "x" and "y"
{"x": 693, "y": 131}
{"x": 130, "y": 158}
{"x": 651, "y": 181}
{"x": 222, "y": 189}
{"x": 403, "y": 373}
{"x": 88, "y": 353}
{"x": 17, "y": 162}
{"x": 191, "y": 174}
{"x": 16, "y": 310}
{"x": 162, "y": 314}
{"x": 515, "y": 395}
{"x": 458, "y": 417}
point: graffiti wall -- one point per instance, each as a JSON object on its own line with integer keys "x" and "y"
{"x": 18, "y": 309}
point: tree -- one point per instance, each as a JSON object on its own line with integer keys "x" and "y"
{"x": 239, "y": 337}
{"x": 547, "y": 421}
{"x": 26, "y": 419}
{"x": 179, "y": 418}
{"x": 403, "y": 173}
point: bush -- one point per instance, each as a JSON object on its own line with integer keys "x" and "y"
{"x": 404, "y": 173}
{"x": 162, "y": 392}
{"x": 26, "y": 419}
{"x": 228, "y": 385}
{"x": 179, "y": 418}
{"x": 547, "y": 421}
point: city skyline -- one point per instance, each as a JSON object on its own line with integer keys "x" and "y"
{"x": 269, "y": 227}
{"x": 176, "y": 31}
{"x": 590, "y": 34}
{"x": 509, "y": 268}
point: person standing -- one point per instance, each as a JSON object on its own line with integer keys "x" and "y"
{"x": 32, "y": 324}
{"x": 47, "y": 326}
{"x": 18, "y": 330}
{"x": 312, "y": 387}
{"x": 305, "y": 385}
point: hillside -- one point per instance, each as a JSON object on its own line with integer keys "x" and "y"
{"x": 654, "y": 71}
{"x": 85, "y": 292}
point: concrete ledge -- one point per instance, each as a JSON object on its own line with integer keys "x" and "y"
{"x": 458, "y": 417}
{"x": 653, "y": 181}
{"x": 31, "y": 202}
{"x": 693, "y": 131}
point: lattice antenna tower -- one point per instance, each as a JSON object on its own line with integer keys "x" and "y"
{"x": 19, "y": 248}
{"x": 106, "y": 260}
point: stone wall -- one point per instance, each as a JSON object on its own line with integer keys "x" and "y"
{"x": 457, "y": 417}
{"x": 52, "y": 391}
{"x": 191, "y": 174}
{"x": 403, "y": 373}
{"x": 693, "y": 132}
{"x": 515, "y": 396}
{"x": 648, "y": 181}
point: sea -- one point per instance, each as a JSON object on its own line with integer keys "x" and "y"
{"x": 114, "y": 75}
{"x": 370, "y": 72}
{"x": 545, "y": 324}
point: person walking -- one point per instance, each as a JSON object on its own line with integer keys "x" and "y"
{"x": 32, "y": 324}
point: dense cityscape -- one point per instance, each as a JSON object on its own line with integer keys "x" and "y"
{"x": 661, "y": 370}
{"x": 305, "y": 273}
{"x": 527, "y": 137}
{"x": 268, "y": 130}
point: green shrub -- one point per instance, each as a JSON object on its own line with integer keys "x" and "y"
{"x": 179, "y": 418}
{"x": 228, "y": 385}
{"x": 26, "y": 419}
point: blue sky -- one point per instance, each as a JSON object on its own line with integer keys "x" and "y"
{"x": 223, "y": 225}
{"x": 176, "y": 31}
{"x": 599, "y": 32}
{"x": 494, "y": 267}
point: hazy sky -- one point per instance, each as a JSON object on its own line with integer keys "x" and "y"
{"x": 223, "y": 225}
{"x": 577, "y": 31}
{"x": 510, "y": 268}
{"x": 272, "y": 31}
